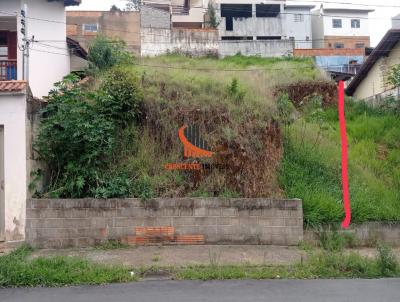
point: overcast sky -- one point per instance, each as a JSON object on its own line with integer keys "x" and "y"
{"x": 380, "y": 19}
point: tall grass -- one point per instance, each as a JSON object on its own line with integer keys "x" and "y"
{"x": 312, "y": 171}
{"x": 16, "y": 270}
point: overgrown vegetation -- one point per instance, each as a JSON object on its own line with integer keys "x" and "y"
{"x": 311, "y": 168}
{"x": 105, "y": 53}
{"x": 272, "y": 123}
{"x": 16, "y": 270}
{"x": 80, "y": 132}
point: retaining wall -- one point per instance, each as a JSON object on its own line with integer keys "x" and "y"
{"x": 193, "y": 42}
{"x": 367, "y": 234}
{"x": 266, "y": 48}
{"x": 85, "y": 222}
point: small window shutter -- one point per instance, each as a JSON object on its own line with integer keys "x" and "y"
{"x": 12, "y": 45}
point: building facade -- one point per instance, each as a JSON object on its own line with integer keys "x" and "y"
{"x": 251, "y": 20}
{"x": 299, "y": 25}
{"x": 84, "y": 26}
{"x": 341, "y": 28}
{"x": 371, "y": 81}
{"x": 49, "y": 51}
{"x": 49, "y": 62}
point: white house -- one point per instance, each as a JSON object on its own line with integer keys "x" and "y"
{"x": 49, "y": 54}
{"x": 341, "y": 27}
{"x": 47, "y": 23}
{"x": 299, "y": 25}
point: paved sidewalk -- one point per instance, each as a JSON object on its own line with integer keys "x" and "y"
{"x": 193, "y": 255}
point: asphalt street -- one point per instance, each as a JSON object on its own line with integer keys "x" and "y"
{"x": 186, "y": 291}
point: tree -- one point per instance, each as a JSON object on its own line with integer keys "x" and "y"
{"x": 105, "y": 53}
{"x": 212, "y": 15}
{"x": 132, "y": 5}
{"x": 115, "y": 8}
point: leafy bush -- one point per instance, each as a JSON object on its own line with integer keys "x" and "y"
{"x": 105, "y": 53}
{"x": 143, "y": 188}
{"x": 113, "y": 186}
{"x": 394, "y": 76}
{"x": 122, "y": 97}
{"x": 74, "y": 140}
{"x": 79, "y": 134}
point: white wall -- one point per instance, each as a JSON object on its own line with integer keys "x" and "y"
{"x": 346, "y": 29}
{"x": 48, "y": 63}
{"x": 375, "y": 82}
{"x": 13, "y": 118}
{"x": 299, "y": 30}
{"x": 317, "y": 23}
{"x": 196, "y": 12}
{"x": 253, "y": 26}
{"x": 47, "y": 68}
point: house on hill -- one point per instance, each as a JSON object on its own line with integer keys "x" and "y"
{"x": 341, "y": 27}
{"x": 49, "y": 62}
{"x": 371, "y": 83}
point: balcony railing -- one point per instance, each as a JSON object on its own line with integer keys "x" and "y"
{"x": 180, "y": 10}
{"x": 8, "y": 70}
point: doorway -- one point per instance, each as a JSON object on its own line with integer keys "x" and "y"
{"x": 2, "y": 196}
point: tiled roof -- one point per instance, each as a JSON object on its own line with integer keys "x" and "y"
{"x": 13, "y": 86}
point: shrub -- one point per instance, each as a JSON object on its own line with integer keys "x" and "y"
{"x": 393, "y": 76}
{"x": 285, "y": 109}
{"x": 105, "y": 53}
{"x": 387, "y": 261}
{"x": 121, "y": 96}
{"x": 113, "y": 186}
{"x": 143, "y": 188}
{"x": 74, "y": 140}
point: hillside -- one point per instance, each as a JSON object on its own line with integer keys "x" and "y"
{"x": 268, "y": 143}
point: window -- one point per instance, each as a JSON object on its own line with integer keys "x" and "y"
{"x": 360, "y": 45}
{"x": 230, "y": 11}
{"x": 3, "y": 46}
{"x": 235, "y": 38}
{"x": 298, "y": 18}
{"x": 91, "y": 28}
{"x": 269, "y": 38}
{"x": 267, "y": 10}
{"x": 355, "y": 23}
{"x": 337, "y": 23}
{"x": 339, "y": 45}
{"x": 236, "y": 10}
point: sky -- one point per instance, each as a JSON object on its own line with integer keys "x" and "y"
{"x": 380, "y": 19}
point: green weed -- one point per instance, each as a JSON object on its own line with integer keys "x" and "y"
{"x": 16, "y": 270}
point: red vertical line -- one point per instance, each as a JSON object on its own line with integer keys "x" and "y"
{"x": 345, "y": 179}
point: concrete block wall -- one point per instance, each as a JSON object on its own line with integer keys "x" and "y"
{"x": 266, "y": 48}
{"x": 85, "y": 222}
{"x": 193, "y": 42}
{"x": 367, "y": 234}
{"x": 151, "y": 17}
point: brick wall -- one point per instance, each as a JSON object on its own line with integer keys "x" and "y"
{"x": 329, "y": 52}
{"x": 85, "y": 222}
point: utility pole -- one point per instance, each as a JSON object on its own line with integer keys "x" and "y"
{"x": 26, "y": 43}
